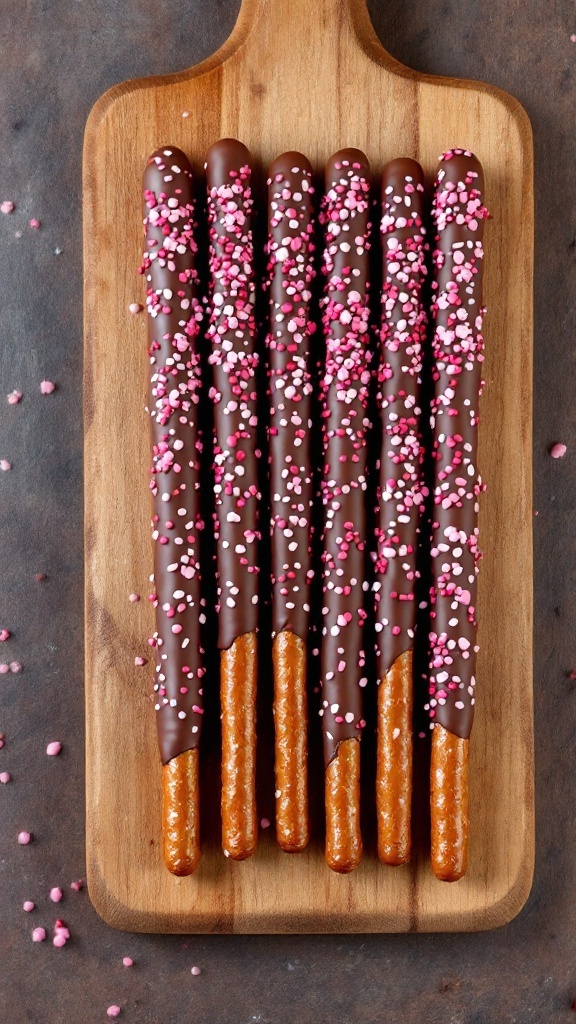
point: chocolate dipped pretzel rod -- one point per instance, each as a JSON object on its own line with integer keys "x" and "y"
{"x": 400, "y": 495}
{"x": 234, "y": 358}
{"x": 174, "y": 316}
{"x": 345, "y": 215}
{"x": 291, "y": 269}
{"x": 458, "y": 215}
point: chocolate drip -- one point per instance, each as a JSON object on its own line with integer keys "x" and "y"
{"x": 174, "y": 316}
{"x": 234, "y": 358}
{"x": 345, "y": 216}
{"x": 291, "y": 270}
{"x": 459, "y": 216}
{"x": 401, "y": 490}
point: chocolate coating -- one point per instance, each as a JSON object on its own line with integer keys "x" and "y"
{"x": 401, "y": 490}
{"x": 459, "y": 215}
{"x": 291, "y": 271}
{"x": 174, "y": 315}
{"x": 345, "y": 217}
{"x": 234, "y": 358}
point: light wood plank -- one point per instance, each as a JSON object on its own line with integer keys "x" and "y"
{"x": 309, "y": 76}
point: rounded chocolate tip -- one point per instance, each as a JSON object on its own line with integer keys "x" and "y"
{"x": 457, "y": 163}
{"x": 343, "y": 159}
{"x": 224, "y": 156}
{"x": 289, "y": 163}
{"x": 168, "y": 154}
{"x": 396, "y": 172}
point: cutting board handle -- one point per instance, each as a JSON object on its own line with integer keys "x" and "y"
{"x": 311, "y": 21}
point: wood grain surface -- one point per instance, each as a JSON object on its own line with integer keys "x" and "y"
{"x": 268, "y": 86}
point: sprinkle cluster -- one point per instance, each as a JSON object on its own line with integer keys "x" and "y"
{"x": 291, "y": 271}
{"x": 400, "y": 491}
{"x": 175, "y": 315}
{"x": 458, "y": 214}
{"x": 344, "y": 390}
{"x": 232, "y": 332}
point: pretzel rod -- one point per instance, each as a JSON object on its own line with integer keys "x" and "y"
{"x": 291, "y": 270}
{"x": 234, "y": 358}
{"x": 400, "y": 494}
{"x": 174, "y": 316}
{"x": 458, "y": 214}
{"x": 345, "y": 215}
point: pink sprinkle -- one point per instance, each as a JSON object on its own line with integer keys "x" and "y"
{"x": 5, "y": 465}
{"x": 135, "y": 307}
{"x": 5, "y": 777}
{"x": 134, "y": 598}
{"x": 47, "y": 387}
{"x": 15, "y": 667}
{"x": 4, "y": 668}
{"x": 265, "y": 822}
{"x": 4, "y": 634}
{"x": 572, "y": 40}
{"x": 140, "y": 661}
{"x": 113, "y": 1011}
{"x": 24, "y": 838}
{"x": 40, "y": 577}
{"x": 2, "y": 738}
{"x": 34, "y": 223}
{"x": 59, "y": 940}
{"x": 56, "y": 894}
{"x": 38, "y": 935}
{"x": 53, "y": 748}
{"x": 28, "y": 905}
{"x": 128, "y": 961}
{"x": 14, "y": 397}
{"x": 195, "y": 971}
{"x": 558, "y": 450}
{"x": 7, "y": 206}
{"x": 77, "y": 886}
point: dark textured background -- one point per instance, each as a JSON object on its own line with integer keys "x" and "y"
{"x": 58, "y": 56}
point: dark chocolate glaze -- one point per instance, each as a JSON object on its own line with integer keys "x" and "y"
{"x": 234, "y": 358}
{"x": 401, "y": 490}
{"x": 291, "y": 271}
{"x": 459, "y": 215}
{"x": 174, "y": 316}
{"x": 345, "y": 216}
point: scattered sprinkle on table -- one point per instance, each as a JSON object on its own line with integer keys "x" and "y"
{"x": 61, "y": 934}
{"x": 40, "y": 577}
{"x": 265, "y": 822}
{"x": 14, "y": 397}
{"x": 15, "y": 667}
{"x": 38, "y": 935}
{"x": 77, "y": 886}
{"x": 53, "y": 748}
{"x": 47, "y": 387}
{"x": 558, "y": 450}
{"x": 7, "y": 206}
{"x": 5, "y": 777}
{"x": 28, "y": 905}
{"x": 128, "y": 961}
{"x": 2, "y": 740}
{"x": 56, "y": 894}
{"x": 134, "y": 598}
{"x": 195, "y": 971}
{"x": 4, "y": 634}
{"x": 34, "y": 223}
{"x": 135, "y": 307}
{"x": 5, "y": 465}
{"x": 113, "y": 1011}
{"x": 24, "y": 838}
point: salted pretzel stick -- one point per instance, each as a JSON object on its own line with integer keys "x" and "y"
{"x": 458, "y": 215}
{"x": 232, "y": 331}
{"x": 291, "y": 270}
{"x": 400, "y": 494}
{"x": 174, "y": 315}
{"x": 345, "y": 216}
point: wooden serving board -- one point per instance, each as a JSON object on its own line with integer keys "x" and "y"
{"x": 311, "y": 76}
